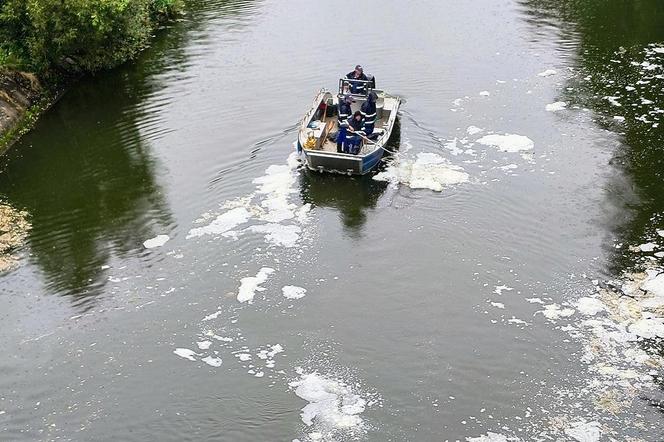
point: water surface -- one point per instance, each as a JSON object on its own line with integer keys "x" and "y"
{"x": 416, "y": 300}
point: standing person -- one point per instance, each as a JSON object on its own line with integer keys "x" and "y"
{"x": 344, "y": 113}
{"x": 357, "y": 87}
{"x": 368, "y": 111}
{"x": 353, "y": 140}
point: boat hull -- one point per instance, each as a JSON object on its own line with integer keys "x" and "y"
{"x": 321, "y": 154}
{"x": 342, "y": 163}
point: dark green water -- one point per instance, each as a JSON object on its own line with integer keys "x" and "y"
{"x": 404, "y": 306}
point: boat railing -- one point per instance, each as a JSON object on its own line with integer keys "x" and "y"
{"x": 345, "y": 87}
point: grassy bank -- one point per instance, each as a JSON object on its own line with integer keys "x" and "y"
{"x": 56, "y": 41}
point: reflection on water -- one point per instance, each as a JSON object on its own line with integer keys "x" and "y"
{"x": 90, "y": 192}
{"x": 87, "y": 174}
{"x": 621, "y": 80}
{"x": 352, "y": 197}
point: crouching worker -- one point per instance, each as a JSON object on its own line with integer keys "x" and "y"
{"x": 353, "y": 139}
{"x": 344, "y": 113}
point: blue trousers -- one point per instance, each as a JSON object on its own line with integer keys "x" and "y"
{"x": 352, "y": 144}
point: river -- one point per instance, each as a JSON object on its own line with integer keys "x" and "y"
{"x": 273, "y": 304}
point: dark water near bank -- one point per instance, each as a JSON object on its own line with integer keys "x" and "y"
{"x": 400, "y": 281}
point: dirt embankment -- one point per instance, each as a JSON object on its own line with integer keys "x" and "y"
{"x": 20, "y": 95}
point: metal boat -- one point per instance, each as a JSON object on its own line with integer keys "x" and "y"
{"x": 316, "y": 133}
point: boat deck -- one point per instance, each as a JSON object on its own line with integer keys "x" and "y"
{"x": 331, "y": 146}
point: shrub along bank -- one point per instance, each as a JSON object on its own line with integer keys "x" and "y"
{"x": 56, "y": 40}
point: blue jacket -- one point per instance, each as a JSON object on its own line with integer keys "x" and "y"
{"x": 368, "y": 111}
{"x": 355, "y": 125}
{"x": 356, "y": 87}
{"x": 344, "y": 112}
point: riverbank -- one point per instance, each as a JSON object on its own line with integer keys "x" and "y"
{"x": 19, "y": 93}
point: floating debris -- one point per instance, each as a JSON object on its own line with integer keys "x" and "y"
{"x": 14, "y": 228}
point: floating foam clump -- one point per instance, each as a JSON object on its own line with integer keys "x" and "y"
{"x": 553, "y": 312}
{"x": 293, "y": 292}
{"x": 507, "y": 142}
{"x": 212, "y": 361}
{"x": 251, "y": 284}
{"x": 185, "y": 353}
{"x": 490, "y": 437}
{"x": 278, "y": 234}
{"x": 648, "y": 328}
{"x": 584, "y": 431}
{"x": 157, "y": 241}
{"x": 648, "y": 247}
{"x": 655, "y": 285}
{"x": 547, "y": 73}
{"x": 428, "y": 171}
{"x": 223, "y": 223}
{"x": 555, "y": 107}
{"x": 590, "y": 306}
{"x": 333, "y": 406}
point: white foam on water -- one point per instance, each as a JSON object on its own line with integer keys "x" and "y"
{"x": 452, "y": 147}
{"x": 590, "y": 306}
{"x": 555, "y": 107}
{"x": 517, "y": 321}
{"x": 252, "y": 284}
{"x": 648, "y": 328}
{"x": 613, "y": 100}
{"x": 223, "y": 223}
{"x": 212, "y": 361}
{"x": 277, "y": 185}
{"x": 498, "y": 305}
{"x": 619, "y": 118}
{"x": 508, "y": 167}
{"x": 185, "y": 353}
{"x": 584, "y": 431}
{"x": 535, "y": 300}
{"x": 214, "y": 315}
{"x": 547, "y": 73}
{"x": 244, "y": 357}
{"x": 490, "y": 437}
{"x": 293, "y": 292}
{"x": 655, "y": 285}
{"x": 508, "y": 142}
{"x": 473, "y": 130}
{"x": 278, "y": 234}
{"x": 648, "y": 247}
{"x": 661, "y": 233}
{"x": 157, "y": 241}
{"x": 498, "y": 290}
{"x": 204, "y": 345}
{"x": 428, "y": 171}
{"x": 554, "y": 312}
{"x": 332, "y": 406}
{"x": 485, "y": 93}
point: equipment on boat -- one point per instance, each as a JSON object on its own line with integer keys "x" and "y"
{"x": 320, "y": 150}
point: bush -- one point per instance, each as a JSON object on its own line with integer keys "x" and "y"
{"x": 38, "y": 35}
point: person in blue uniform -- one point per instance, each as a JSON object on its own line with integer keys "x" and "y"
{"x": 353, "y": 140}
{"x": 357, "y": 87}
{"x": 344, "y": 113}
{"x": 368, "y": 111}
